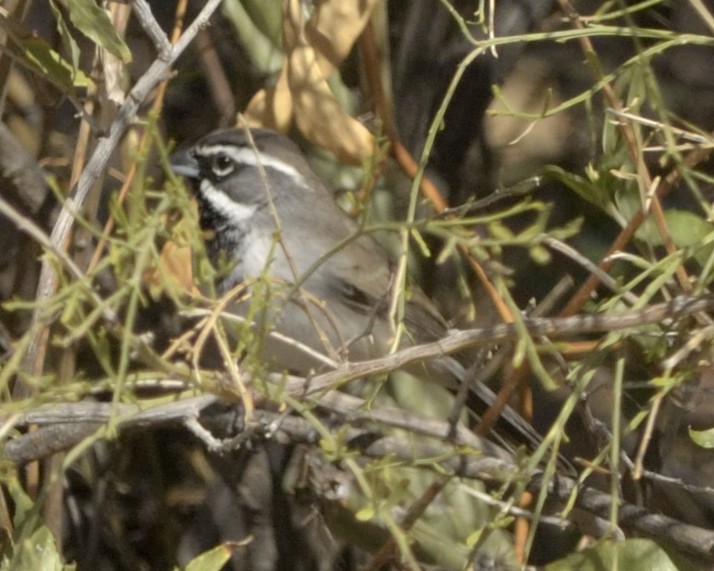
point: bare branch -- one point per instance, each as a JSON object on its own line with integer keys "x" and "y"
{"x": 146, "y": 18}
{"x": 539, "y": 326}
{"x": 28, "y": 226}
{"x": 156, "y": 73}
{"x": 78, "y": 420}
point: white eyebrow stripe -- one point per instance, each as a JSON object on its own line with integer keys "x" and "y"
{"x": 233, "y": 211}
{"x": 248, "y": 156}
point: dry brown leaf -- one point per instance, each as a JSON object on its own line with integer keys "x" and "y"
{"x": 334, "y": 29}
{"x": 174, "y": 271}
{"x": 302, "y": 90}
{"x": 272, "y": 106}
{"x": 320, "y": 118}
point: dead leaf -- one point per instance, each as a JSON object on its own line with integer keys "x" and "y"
{"x": 174, "y": 271}
{"x": 302, "y": 91}
{"x": 334, "y": 29}
{"x": 272, "y": 106}
{"x": 319, "y": 116}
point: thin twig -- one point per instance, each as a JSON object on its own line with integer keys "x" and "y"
{"x": 156, "y": 73}
{"x": 28, "y": 226}
{"x": 410, "y": 166}
{"x": 143, "y": 145}
{"x": 592, "y": 268}
{"x": 653, "y": 192}
{"x": 483, "y": 466}
{"x": 161, "y": 42}
{"x": 548, "y": 327}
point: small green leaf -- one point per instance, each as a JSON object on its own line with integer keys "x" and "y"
{"x": 211, "y": 560}
{"x": 94, "y": 23}
{"x": 39, "y": 551}
{"x": 592, "y": 189}
{"x": 267, "y": 16}
{"x": 23, "y": 502}
{"x": 69, "y": 43}
{"x": 691, "y": 230}
{"x": 421, "y": 243}
{"x": 36, "y": 54}
{"x": 703, "y": 438}
{"x": 365, "y": 514}
{"x": 500, "y": 231}
{"x": 632, "y": 554}
{"x": 474, "y": 538}
{"x": 539, "y": 254}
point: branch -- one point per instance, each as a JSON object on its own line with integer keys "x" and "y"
{"x": 538, "y": 326}
{"x": 63, "y": 425}
{"x": 692, "y": 539}
{"x": 81, "y": 419}
{"x": 143, "y": 13}
{"x": 98, "y": 162}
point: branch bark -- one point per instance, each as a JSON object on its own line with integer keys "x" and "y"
{"x": 59, "y": 423}
{"x": 35, "y": 356}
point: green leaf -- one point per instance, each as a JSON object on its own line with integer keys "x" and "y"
{"x": 690, "y": 229}
{"x": 500, "y": 231}
{"x": 94, "y": 23}
{"x": 539, "y": 254}
{"x": 36, "y": 548}
{"x": 23, "y": 502}
{"x": 632, "y": 554}
{"x": 39, "y": 551}
{"x": 36, "y": 54}
{"x": 365, "y": 514}
{"x": 589, "y": 190}
{"x": 267, "y": 16}
{"x": 703, "y": 438}
{"x": 69, "y": 43}
{"x": 211, "y": 560}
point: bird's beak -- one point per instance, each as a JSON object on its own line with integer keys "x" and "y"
{"x": 185, "y": 164}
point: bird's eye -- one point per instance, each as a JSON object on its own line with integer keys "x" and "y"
{"x": 222, "y": 165}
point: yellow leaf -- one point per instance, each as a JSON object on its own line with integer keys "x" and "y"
{"x": 320, "y": 118}
{"x": 174, "y": 270}
{"x": 334, "y": 29}
{"x": 301, "y": 90}
{"x": 272, "y": 106}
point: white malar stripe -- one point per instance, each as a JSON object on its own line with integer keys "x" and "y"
{"x": 233, "y": 211}
{"x": 248, "y": 156}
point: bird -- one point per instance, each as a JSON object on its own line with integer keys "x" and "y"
{"x": 269, "y": 218}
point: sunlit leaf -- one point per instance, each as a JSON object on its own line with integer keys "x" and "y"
{"x": 539, "y": 254}
{"x": 211, "y": 560}
{"x": 633, "y": 555}
{"x": 69, "y": 43}
{"x": 303, "y": 89}
{"x": 703, "y": 438}
{"x": 94, "y": 23}
{"x": 36, "y": 54}
{"x": 365, "y": 514}
{"x": 39, "y": 551}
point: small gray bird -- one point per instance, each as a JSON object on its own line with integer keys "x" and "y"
{"x": 271, "y": 217}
